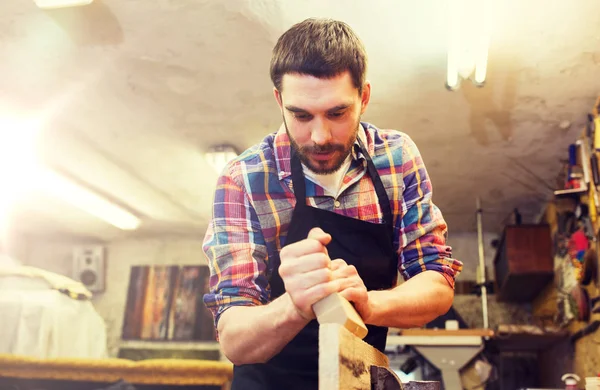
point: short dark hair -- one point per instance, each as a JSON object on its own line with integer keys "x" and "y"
{"x": 322, "y": 48}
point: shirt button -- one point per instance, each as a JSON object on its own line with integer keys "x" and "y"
{"x": 337, "y": 203}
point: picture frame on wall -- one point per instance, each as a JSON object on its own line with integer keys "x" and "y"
{"x": 166, "y": 303}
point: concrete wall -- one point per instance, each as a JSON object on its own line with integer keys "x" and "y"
{"x": 465, "y": 248}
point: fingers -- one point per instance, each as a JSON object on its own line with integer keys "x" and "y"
{"x": 291, "y": 267}
{"x": 301, "y": 248}
{"x": 350, "y": 285}
{"x": 342, "y": 270}
{"x": 355, "y": 294}
{"x": 308, "y": 288}
{"x": 319, "y": 235}
{"x": 337, "y": 264}
{"x": 306, "y": 280}
{"x": 305, "y": 271}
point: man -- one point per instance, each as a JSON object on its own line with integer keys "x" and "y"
{"x": 326, "y": 204}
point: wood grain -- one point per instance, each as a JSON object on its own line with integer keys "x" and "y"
{"x": 345, "y": 360}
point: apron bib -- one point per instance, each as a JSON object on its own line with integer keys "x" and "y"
{"x": 368, "y": 246}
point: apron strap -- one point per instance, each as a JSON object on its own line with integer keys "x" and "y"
{"x": 298, "y": 178}
{"x": 384, "y": 200}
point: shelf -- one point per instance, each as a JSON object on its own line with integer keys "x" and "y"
{"x": 173, "y": 345}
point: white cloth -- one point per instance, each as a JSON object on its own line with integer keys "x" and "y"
{"x": 39, "y": 321}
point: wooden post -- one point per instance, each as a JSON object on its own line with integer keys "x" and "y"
{"x": 345, "y": 360}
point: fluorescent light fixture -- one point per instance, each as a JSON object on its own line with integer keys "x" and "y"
{"x": 468, "y": 41}
{"x": 483, "y": 42}
{"x": 52, "y": 4}
{"x": 86, "y": 200}
{"x": 452, "y": 77}
{"x": 218, "y": 156}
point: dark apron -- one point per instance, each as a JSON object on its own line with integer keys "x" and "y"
{"x": 367, "y": 246}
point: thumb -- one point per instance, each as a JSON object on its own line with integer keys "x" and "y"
{"x": 319, "y": 235}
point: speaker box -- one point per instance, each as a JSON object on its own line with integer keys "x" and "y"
{"x": 89, "y": 267}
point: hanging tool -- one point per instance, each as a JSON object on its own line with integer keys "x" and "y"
{"x": 481, "y": 276}
{"x": 595, "y": 179}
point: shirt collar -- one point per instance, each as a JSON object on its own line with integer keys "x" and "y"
{"x": 282, "y": 147}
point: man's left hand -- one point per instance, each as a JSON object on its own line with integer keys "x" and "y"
{"x": 351, "y": 286}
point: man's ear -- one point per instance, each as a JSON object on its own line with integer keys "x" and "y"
{"x": 277, "y": 95}
{"x": 365, "y": 97}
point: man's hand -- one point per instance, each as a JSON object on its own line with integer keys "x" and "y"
{"x": 306, "y": 273}
{"x": 351, "y": 286}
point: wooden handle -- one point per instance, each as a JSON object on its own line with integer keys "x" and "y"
{"x": 335, "y": 309}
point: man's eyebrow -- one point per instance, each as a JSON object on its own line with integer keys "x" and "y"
{"x": 301, "y": 110}
{"x": 295, "y": 109}
{"x": 339, "y": 107}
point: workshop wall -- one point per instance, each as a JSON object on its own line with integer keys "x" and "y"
{"x": 465, "y": 248}
{"x": 14, "y": 244}
{"x": 56, "y": 255}
{"x": 470, "y": 309}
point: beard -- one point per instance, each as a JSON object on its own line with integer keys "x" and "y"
{"x": 328, "y": 166}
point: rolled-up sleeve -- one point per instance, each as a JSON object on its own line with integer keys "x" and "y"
{"x": 235, "y": 250}
{"x": 423, "y": 230}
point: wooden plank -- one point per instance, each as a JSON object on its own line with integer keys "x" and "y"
{"x": 345, "y": 361}
{"x": 335, "y": 309}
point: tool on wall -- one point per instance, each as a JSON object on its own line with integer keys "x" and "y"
{"x": 595, "y": 180}
{"x": 575, "y": 182}
{"x": 590, "y": 132}
{"x": 481, "y": 275}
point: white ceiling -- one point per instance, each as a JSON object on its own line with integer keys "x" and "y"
{"x": 130, "y": 93}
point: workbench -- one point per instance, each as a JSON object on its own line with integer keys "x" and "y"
{"x": 447, "y": 350}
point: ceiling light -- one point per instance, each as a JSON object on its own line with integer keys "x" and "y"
{"x": 51, "y": 4}
{"x": 21, "y": 172}
{"x": 66, "y": 189}
{"x": 218, "y": 156}
{"x": 468, "y": 41}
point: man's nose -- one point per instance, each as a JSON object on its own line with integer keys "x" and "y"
{"x": 321, "y": 133}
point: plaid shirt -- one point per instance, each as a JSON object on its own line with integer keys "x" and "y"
{"x": 254, "y": 201}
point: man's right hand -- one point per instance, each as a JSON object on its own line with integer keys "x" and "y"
{"x": 306, "y": 271}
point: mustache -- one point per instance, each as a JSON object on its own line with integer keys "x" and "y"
{"x": 327, "y": 148}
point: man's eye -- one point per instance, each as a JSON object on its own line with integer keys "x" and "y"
{"x": 302, "y": 117}
{"x": 337, "y": 114}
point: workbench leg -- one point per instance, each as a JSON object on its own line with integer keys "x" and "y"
{"x": 451, "y": 379}
{"x": 449, "y": 360}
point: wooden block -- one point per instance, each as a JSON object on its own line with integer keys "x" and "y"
{"x": 335, "y": 309}
{"x": 345, "y": 361}
{"x": 523, "y": 262}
